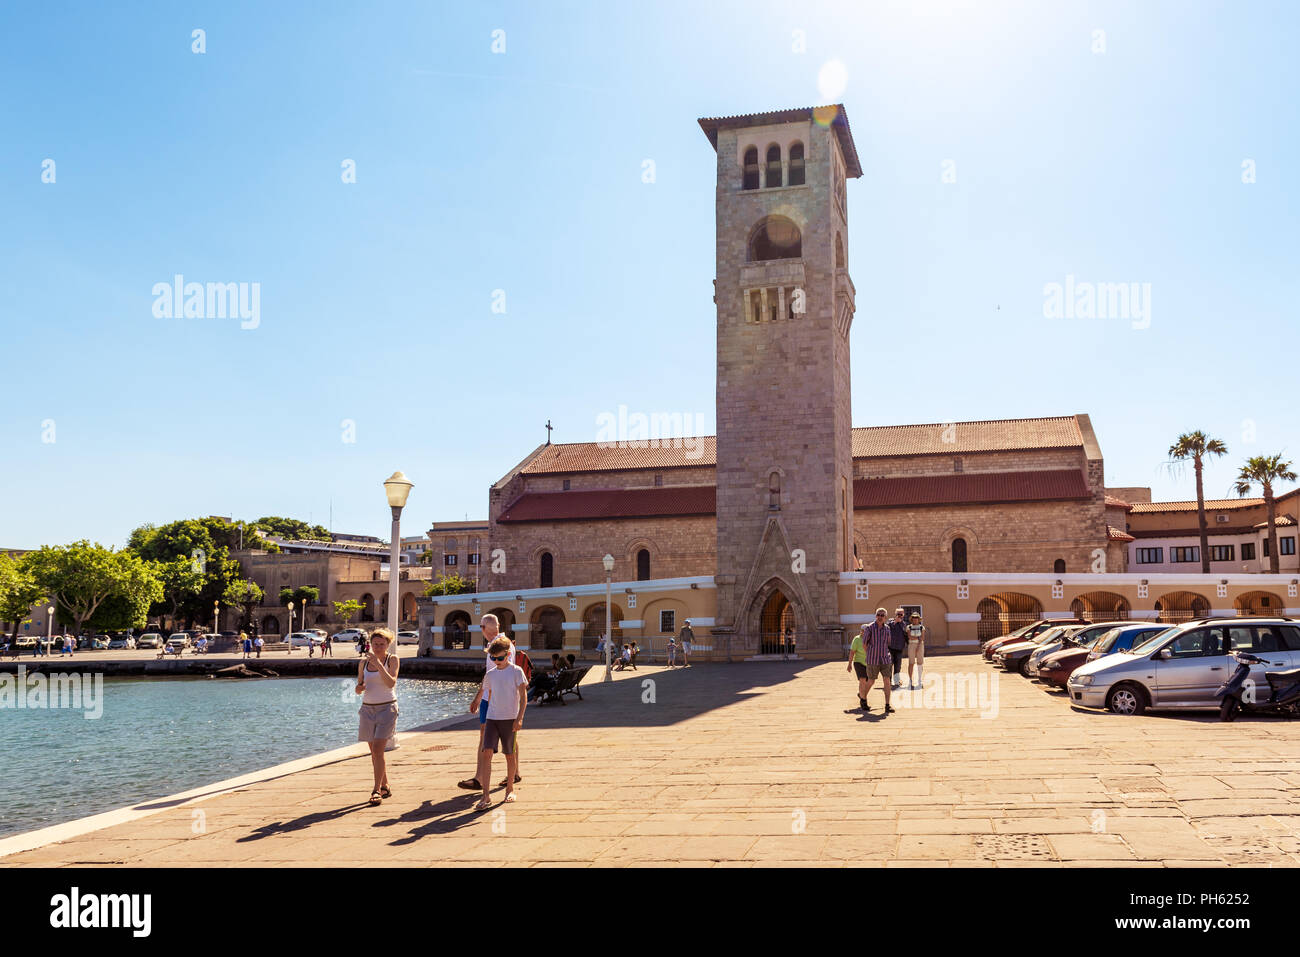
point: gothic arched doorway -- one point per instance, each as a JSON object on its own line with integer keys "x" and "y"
{"x": 777, "y": 616}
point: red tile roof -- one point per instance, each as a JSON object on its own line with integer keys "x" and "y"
{"x": 970, "y": 488}
{"x": 966, "y": 488}
{"x": 1215, "y": 504}
{"x": 1113, "y": 502}
{"x": 611, "y": 503}
{"x": 957, "y": 438}
{"x": 996, "y": 435}
{"x": 1282, "y": 521}
{"x": 1118, "y": 535}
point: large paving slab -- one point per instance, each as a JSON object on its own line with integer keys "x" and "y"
{"x": 767, "y": 763}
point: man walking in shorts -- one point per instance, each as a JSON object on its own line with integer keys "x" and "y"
{"x": 897, "y": 645}
{"x": 879, "y": 662}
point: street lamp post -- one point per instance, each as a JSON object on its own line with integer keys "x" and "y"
{"x": 608, "y": 562}
{"x": 216, "y": 618}
{"x": 49, "y": 630}
{"x": 289, "y": 635}
{"x": 397, "y": 487}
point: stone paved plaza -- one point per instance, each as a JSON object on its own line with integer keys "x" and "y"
{"x": 762, "y": 764}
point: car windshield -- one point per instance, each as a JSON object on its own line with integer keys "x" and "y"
{"x": 1148, "y": 644}
{"x": 1048, "y": 635}
{"x": 1105, "y": 641}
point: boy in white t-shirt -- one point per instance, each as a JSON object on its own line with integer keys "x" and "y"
{"x": 506, "y": 689}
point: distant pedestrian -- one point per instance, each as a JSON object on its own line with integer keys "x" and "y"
{"x": 248, "y": 646}
{"x": 858, "y": 665}
{"x": 258, "y": 645}
{"x": 685, "y": 638}
{"x": 326, "y": 647}
{"x": 897, "y": 646}
{"x": 787, "y": 646}
{"x": 672, "y": 652}
{"x": 916, "y": 651}
{"x": 377, "y": 684}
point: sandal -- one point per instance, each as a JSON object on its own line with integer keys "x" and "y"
{"x": 505, "y": 782}
{"x": 385, "y": 793}
{"x": 376, "y": 798}
{"x": 510, "y": 797}
{"x": 483, "y": 805}
{"x": 470, "y": 784}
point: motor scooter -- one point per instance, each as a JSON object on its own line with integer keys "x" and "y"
{"x": 1239, "y": 692}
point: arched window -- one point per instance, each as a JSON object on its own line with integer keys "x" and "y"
{"x": 750, "y": 178}
{"x": 773, "y": 166}
{"x": 775, "y": 238}
{"x": 1058, "y": 566}
{"x": 796, "y": 164}
{"x": 959, "y": 554}
{"x": 548, "y": 570}
{"x": 643, "y": 565}
{"x": 774, "y": 491}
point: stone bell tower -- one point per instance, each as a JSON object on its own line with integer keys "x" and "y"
{"x": 785, "y": 305}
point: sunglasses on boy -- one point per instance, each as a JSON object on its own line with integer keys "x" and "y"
{"x": 500, "y": 658}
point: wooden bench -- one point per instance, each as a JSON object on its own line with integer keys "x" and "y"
{"x": 565, "y": 683}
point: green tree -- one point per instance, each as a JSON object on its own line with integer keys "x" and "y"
{"x": 81, "y": 577}
{"x": 449, "y": 585}
{"x": 346, "y": 610}
{"x": 206, "y": 543}
{"x": 1196, "y": 446}
{"x": 1264, "y": 470}
{"x": 247, "y": 595}
{"x": 286, "y": 595}
{"x": 290, "y": 528}
{"x": 19, "y": 590}
{"x": 181, "y": 580}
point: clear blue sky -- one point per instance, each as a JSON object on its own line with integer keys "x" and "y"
{"x": 522, "y": 171}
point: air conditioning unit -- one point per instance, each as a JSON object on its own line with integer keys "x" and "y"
{"x": 1221, "y": 519}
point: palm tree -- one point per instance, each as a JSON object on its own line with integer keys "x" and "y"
{"x": 1195, "y": 446}
{"x": 1264, "y": 470}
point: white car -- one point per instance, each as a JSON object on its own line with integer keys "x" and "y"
{"x": 304, "y": 639}
{"x": 118, "y": 644}
{"x": 350, "y": 634}
{"x": 408, "y": 637}
{"x": 149, "y": 639}
{"x": 182, "y": 638}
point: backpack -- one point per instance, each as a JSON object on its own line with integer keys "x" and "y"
{"x": 524, "y": 662}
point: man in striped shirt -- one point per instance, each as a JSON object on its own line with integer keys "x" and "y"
{"x": 880, "y": 664}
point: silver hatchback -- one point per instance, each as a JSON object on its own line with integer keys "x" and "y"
{"x": 1184, "y": 666}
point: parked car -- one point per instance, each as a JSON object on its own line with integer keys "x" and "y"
{"x": 319, "y": 632}
{"x": 150, "y": 639}
{"x": 349, "y": 634}
{"x": 1015, "y": 656}
{"x": 304, "y": 639}
{"x": 1085, "y": 634}
{"x": 117, "y": 644}
{"x": 1117, "y": 640}
{"x": 182, "y": 638}
{"x": 408, "y": 637}
{"x": 97, "y": 643}
{"x": 1028, "y": 632}
{"x": 1055, "y": 668}
{"x": 24, "y": 642}
{"x": 1183, "y": 666}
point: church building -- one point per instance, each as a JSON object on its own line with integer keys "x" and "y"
{"x": 789, "y": 496}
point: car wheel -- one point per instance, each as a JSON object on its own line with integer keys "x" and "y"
{"x": 1228, "y": 708}
{"x": 1127, "y": 700}
{"x": 1024, "y": 667}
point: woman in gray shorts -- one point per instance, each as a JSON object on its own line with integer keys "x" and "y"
{"x": 377, "y": 684}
